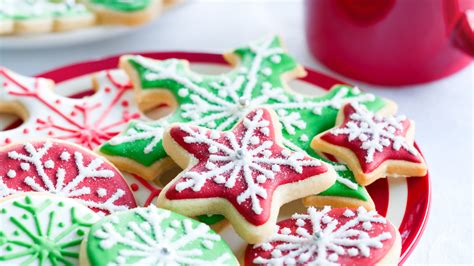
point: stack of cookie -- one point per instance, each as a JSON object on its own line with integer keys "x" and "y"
{"x": 35, "y": 16}
{"x": 244, "y": 145}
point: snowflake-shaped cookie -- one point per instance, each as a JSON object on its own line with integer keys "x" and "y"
{"x": 219, "y": 101}
{"x": 329, "y": 237}
{"x": 88, "y": 121}
{"x": 64, "y": 169}
{"x": 373, "y": 146}
{"x": 239, "y": 172}
{"x": 152, "y": 236}
{"x": 40, "y": 229}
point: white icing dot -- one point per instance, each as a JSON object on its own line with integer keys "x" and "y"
{"x": 211, "y": 124}
{"x": 276, "y": 168}
{"x": 300, "y": 222}
{"x": 183, "y": 92}
{"x": 207, "y": 244}
{"x": 101, "y": 192}
{"x": 276, "y": 59}
{"x": 114, "y": 219}
{"x": 265, "y": 131}
{"x": 353, "y": 252}
{"x": 276, "y": 253}
{"x": 304, "y": 138}
{"x": 11, "y": 173}
{"x": 25, "y": 166}
{"x": 254, "y": 140}
{"x": 49, "y": 164}
{"x": 367, "y": 225}
{"x": 261, "y": 179}
{"x": 326, "y": 219}
{"x": 219, "y": 179}
{"x": 121, "y": 260}
{"x": 243, "y": 70}
{"x": 285, "y": 152}
{"x": 286, "y": 231}
{"x": 213, "y": 149}
{"x": 175, "y": 224}
{"x": 267, "y": 246}
{"x": 267, "y": 71}
{"x": 333, "y": 257}
{"x": 65, "y": 156}
{"x": 348, "y": 213}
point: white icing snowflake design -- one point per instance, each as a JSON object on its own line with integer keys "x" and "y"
{"x": 35, "y": 158}
{"x": 229, "y": 99}
{"x": 249, "y": 157}
{"x": 375, "y": 132}
{"x": 155, "y": 245}
{"x": 327, "y": 239}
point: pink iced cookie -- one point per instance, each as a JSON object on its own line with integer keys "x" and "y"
{"x": 64, "y": 169}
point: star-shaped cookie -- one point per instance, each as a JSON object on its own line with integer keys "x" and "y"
{"x": 373, "y": 146}
{"x": 245, "y": 174}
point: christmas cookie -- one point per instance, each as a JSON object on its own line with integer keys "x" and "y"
{"x": 35, "y": 16}
{"x": 125, "y": 12}
{"x": 152, "y": 236}
{"x": 245, "y": 173}
{"x": 88, "y": 121}
{"x": 330, "y": 237}
{"x": 373, "y": 146}
{"x": 218, "y": 102}
{"x": 41, "y": 229}
{"x": 64, "y": 169}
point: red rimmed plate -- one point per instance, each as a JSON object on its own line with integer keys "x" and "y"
{"x": 405, "y": 202}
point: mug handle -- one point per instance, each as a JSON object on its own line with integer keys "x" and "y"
{"x": 463, "y": 33}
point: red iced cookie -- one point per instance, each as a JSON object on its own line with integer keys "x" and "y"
{"x": 64, "y": 169}
{"x": 330, "y": 237}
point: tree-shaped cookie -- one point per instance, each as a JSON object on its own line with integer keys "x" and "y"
{"x": 42, "y": 229}
{"x": 245, "y": 174}
{"x": 219, "y": 101}
{"x": 64, "y": 169}
{"x": 152, "y": 236}
{"x": 330, "y": 237}
{"x": 373, "y": 146}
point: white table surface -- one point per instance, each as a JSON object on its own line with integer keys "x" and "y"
{"x": 442, "y": 109}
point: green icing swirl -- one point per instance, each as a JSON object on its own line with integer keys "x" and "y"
{"x": 152, "y": 236}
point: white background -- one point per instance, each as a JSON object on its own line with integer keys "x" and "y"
{"x": 441, "y": 109}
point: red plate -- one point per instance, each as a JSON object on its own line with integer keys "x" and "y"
{"x": 405, "y": 202}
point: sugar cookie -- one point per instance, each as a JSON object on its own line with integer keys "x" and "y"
{"x": 373, "y": 146}
{"x": 152, "y": 236}
{"x": 245, "y": 173}
{"x": 64, "y": 169}
{"x": 219, "y": 101}
{"x": 330, "y": 237}
{"x": 42, "y": 229}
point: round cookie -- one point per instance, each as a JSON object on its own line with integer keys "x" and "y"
{"x": 330, "y": 237}
{"x": 152, "y": 236}
{"x": 64, "y": 169}
{"x": 42, "y": 229}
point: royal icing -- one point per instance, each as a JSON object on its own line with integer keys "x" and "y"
{"x": 218, "y": 102}
{"x": 326, "y": 237}
{"x": 28, "y": 9}
{"x": 43, "y": 166}
{"x": 88, "y": 121}
{"x": 152, "y": 236}
{"x": 123, "y": 6}
{"x": 372, "y": 138}
{"x": 144, "y": 191}
{"x": 244, "y": 165}
{"x": 38, "y": 229}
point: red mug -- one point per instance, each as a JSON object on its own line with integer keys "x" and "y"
{"x": 391, "y": 42}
